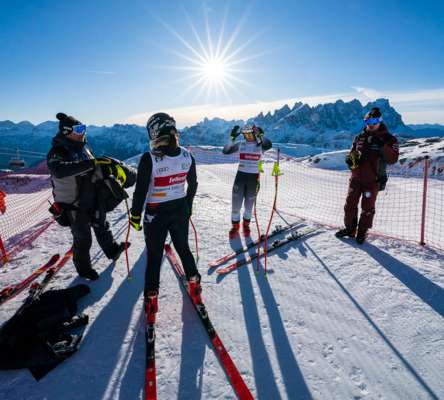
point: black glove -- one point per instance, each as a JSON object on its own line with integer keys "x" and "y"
{"x": 260, "y": 132}
{"x": 348, "y": 161}
{"x": 376, "y": 140}
{"x": 352, "y": 159}
{"x": 235, "y": 132}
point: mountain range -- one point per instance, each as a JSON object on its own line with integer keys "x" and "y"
{"x": 327, "y": 126}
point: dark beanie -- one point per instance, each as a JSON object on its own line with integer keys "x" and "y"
{"x": 375, "y": 112}
{"x": 66, "y": 123}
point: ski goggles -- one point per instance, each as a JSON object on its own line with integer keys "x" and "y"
{"x": 249, "y": 134}
{"x": 373, "y": 121}
{"x": 79, "y": 129}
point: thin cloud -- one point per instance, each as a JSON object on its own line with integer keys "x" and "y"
{"x": 101, "y": 72}
{"x": 415, "y": 106}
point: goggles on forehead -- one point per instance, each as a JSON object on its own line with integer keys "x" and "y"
{"x": 79, "y": 129}
{"x": 373, "y": 121}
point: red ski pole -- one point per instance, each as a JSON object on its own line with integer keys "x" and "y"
{"x": 196, "y": 240}
{"x": 4, "y": 258}
{"x": 276, "y": 173}
{"x": 258, "y": 185}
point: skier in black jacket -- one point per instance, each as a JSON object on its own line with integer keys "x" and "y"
{"x": 160, "y": 186}
{"x": 74, "y": 174}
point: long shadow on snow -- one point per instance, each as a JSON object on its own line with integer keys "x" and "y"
{"x": 192, "y": 356}
{"x": 92, "y": 371}
{"x": 294, "y": 381}
{"x": 406, "y": 364}
{"x": 266, "y": 387}
{"x": 192, "y": 352}
{"x": 426, "y": 290}
{"x": 136, "y": 365}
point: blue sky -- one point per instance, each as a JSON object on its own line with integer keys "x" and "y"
{"x": 108, "y": 61}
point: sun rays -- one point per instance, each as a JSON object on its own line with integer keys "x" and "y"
{"x": 213, "y": 66}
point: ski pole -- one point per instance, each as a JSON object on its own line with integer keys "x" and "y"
{"x": 276, "y": 173}
{"x": 4, "y": 257}
{"x": 196, "y": 240}
{"x": 281, "y": 217}
{"x": 126, "y": 239}
{"x": 258, "y": 185}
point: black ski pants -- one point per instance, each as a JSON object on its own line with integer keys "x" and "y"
{"x": 245, "y": 190}
{"x": 156, "y": 226}
{"x": 81, "y": 223}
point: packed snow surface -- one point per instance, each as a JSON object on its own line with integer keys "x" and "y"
{"x": 332, "y": 320}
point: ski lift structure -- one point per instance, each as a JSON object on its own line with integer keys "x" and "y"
{"x": 17, "y": 162}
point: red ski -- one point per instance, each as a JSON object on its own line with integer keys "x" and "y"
{"x": 278, "y": 229}
{"x": 274, "y": 246}
{"x": 150, "y": 373}
{"x": 235, "y": 378}
{"x": 10, "y": 292}
{"x": 38, "y": 288}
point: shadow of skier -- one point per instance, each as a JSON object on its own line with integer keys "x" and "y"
{"x": 192, "y": 353}
{"x": 294, "y": 381}
{"x": 99, "y": 367}
{"x": 265, "y": 380}
{"x": 426, "y": 290}
{"x": 406, "y": 364}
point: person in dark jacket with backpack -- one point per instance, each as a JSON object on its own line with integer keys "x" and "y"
{"x": 75, "y": 175}
{"x": 371, "y": 151}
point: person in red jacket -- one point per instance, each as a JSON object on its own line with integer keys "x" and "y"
{"x": 2, "y": 202}
{"x": 371, "y": 151}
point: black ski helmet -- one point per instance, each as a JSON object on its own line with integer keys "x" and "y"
{"x": 160, "y": 124}
{"x": 375, "y": 112}
{"x": 66, "y": 123}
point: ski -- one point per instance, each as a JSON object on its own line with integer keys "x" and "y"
{"x": 150, "y": 372}
{"x": 278, "y": 229}
{"x": 235, "y": 378}
{"x": 274, "y": 245}
{"x": 10, "y": 292}
{"x": 37, "y": 288}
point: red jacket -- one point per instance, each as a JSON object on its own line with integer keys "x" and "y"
{"x": 376, "y": 149}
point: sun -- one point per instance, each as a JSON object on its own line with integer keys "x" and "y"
{"x": 215, "y": 71}
{"x": 213, "y": 67}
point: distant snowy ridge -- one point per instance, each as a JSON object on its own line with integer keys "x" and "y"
{"x": 412, "y": 154}
{"x": 325, "y": 126}
{"x": 330, "y": 126}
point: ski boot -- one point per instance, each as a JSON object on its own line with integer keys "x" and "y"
{"x": 346, "y": 232}
{"x": 90, "y": 274}
{"x": 246, "y": 228}
{"x": 234, "y": 231}
{"x": 120, "y": 248}
{"x": 194, "y": 289}
{"x": 151, "y": 306}
{"x": 360, "y": 237}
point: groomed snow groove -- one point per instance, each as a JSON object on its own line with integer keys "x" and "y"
{"x": 331, "y": 321}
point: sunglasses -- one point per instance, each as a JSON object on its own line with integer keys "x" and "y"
{"x": 79, "y": 129}
{"x": 373, "y": 121}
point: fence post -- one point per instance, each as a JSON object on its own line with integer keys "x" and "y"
{"x": 3, "y": 255}
{"x": 424, "y": 201}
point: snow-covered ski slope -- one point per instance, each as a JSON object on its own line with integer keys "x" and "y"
{"x": 333, "y": 320}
